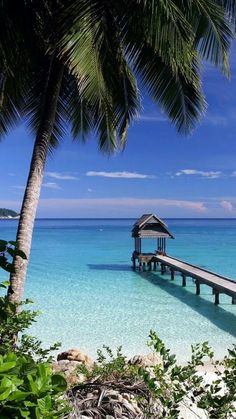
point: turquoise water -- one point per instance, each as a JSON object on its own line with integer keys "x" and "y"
{"x": 80, "y": 277}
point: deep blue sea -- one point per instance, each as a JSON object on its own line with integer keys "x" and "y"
{"x": 80, "y": 277}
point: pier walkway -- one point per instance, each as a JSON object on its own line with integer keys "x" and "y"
{"x": 149, "y": 226}
{"x": 218, "y": 283}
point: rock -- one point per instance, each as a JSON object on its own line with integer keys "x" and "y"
{"x": 69, "y": 370}
{"x": 76, "y": 355}
{"x": 149, "y": 360}
{"x": 65, "y": 366}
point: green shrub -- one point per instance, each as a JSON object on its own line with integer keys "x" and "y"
{"x": 162, "y": 390}
{"x": 29, "y": 389}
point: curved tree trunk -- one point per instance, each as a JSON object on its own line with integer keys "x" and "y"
{"x": 34, "y": 182}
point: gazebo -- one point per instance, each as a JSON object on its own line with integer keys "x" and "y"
{"x": 149, "y": 226}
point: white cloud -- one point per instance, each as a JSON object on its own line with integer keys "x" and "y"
{"x": 51, "y": 185}
{"x": 89, "y": 190}
{"x": 121, "y": 175}
{"x": 61, "y": 176}
{"x": 135, "y": 203}
{"x": 201, "y": 173}
{"x": 227, "y": 205}
{"x": 233, "y": 174}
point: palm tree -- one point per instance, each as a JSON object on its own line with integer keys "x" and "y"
{"x": 83, "y": 62}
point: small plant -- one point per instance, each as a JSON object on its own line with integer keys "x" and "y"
{"x": 9, "y": 250}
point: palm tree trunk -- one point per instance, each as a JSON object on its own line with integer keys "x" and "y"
{"x": 35, "y": 177}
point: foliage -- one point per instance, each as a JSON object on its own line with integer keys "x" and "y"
{"x": 163, "y": 390}
{"x": 174, "y": 385}
{"x": 109, "y": 366}
{"x": 29, "y": 389}
{"x": 219, "y": 398}
{"x": 13, "y": 319}
{"x": 102, "y": 50}
{"x": 9, "y": 249}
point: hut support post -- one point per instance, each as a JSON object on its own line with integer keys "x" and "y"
{"x": 172, "y": 273}
{"x": 183, "y": 280}
{"x": 234, "y": 300}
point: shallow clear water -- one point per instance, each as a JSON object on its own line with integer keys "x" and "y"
{"x": 80, "y": 277}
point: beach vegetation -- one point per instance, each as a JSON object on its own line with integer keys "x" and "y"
{"x": 78, "y": 63}
{"x": 29, "y": 389}
{"x": 165, "y": 389}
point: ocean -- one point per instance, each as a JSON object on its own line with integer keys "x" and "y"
{"x": 80, "y": 278}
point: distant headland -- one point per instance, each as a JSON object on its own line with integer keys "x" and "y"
{"x": 8, "y": 214}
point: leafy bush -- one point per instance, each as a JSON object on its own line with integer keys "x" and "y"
{"x": 160, "y": 391}
{"x": 29, "y": 389}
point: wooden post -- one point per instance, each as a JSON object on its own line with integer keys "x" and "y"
{"x": 234, "y": 299}
{"x": 198, "y": 288}
{"x": 163, "y": 269}
{"x": 217, "y": 297}
{"x": 183, "y": 280}
{"x": 134, "y": 262}
{"x": 172, "y": 272}
{"x": 144, "y": 266}
{"x": 154, "y": 266}
{"x": 140, "y": 266}
{"x": 149, "y": 265}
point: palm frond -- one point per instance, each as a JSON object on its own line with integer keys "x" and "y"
{"x": 105, "y": 82}
{"x": 12, "y": 100}
{"x": 35, "y": 106}
{"x": 180, "y": 97}
{"x": 213, "y": 32}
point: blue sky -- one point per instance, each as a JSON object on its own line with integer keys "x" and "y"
{"x": 159, "y": 171}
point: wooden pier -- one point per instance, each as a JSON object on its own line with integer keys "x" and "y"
{"x": 219, "y": 284}
{"x": 150, "y": 226}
